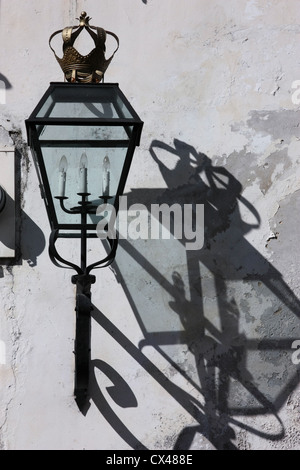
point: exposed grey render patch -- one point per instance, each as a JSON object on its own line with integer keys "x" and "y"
{"x": 268, "y": 171}
{"x": 286, "y": 223}
{"x": 283, "y": 128}
{"x": 281, "y": 124}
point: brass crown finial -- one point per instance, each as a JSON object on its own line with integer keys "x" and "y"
{"x": 88, "y": 68}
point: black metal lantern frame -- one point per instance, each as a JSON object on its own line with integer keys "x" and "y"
{"x": 74, "y": 119}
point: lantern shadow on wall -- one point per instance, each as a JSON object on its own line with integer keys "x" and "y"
{"x": 222, "y": 316}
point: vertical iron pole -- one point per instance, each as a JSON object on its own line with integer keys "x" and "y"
{"x": 83, "y": 337}
{"x": 83, "y": 259}
{"x": 83, "y": 319}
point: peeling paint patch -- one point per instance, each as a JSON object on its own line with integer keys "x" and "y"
{"x": 252, "y": 9}
{"x": 280, "y": 124}
{"x": 5, "y": 139}
{"x": 285, "y": 224}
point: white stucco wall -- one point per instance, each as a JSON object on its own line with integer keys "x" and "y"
{"x": 203, "y": 339}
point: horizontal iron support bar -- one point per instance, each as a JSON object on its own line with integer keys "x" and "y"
{"x": 85, "y": 143}
{"x": 67, "y": 121}
{"x": 76, "y": 235}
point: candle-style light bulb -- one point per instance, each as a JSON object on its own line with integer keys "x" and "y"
{"x": 83, "y": 174}
{"x": 105, "y": 176}
{"x": 62, "y": 168}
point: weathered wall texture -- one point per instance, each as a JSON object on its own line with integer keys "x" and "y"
{"x": 190, "y": 349}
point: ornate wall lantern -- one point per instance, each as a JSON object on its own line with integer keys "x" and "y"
{"x": 82, "y": 135}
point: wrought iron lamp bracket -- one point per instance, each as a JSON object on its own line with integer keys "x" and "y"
{"x": 60, "y": 262}
{"x": 83, "y": 281}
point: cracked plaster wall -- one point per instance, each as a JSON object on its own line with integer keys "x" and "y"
{"x": 207, "y": 78}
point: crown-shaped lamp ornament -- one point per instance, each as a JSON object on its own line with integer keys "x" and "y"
{"x": 88, "y": 68}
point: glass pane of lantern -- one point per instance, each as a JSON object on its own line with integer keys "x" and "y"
{"x": 83, "y": 135}
{"x": 72, "y": 170}
{"x": 85, "y": 102}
